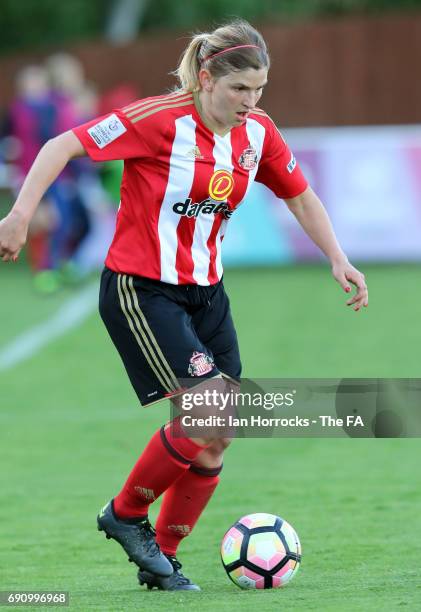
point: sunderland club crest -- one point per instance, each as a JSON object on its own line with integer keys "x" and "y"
{"x": 200, "y": 364}
{"x": 248, "y": 158}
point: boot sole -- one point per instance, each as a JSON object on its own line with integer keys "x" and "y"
{"x": 145, "y": 577}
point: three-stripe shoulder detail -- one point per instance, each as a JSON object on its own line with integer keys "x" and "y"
{"x": 260, "y": 112}
{"x": 140, "y": 110}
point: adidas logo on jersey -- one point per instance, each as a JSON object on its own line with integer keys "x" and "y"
{"x": 206, "y": 207}
{"x": 194, "y": 153}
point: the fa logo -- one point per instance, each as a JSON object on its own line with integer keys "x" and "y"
{"x": 355, "y": 421}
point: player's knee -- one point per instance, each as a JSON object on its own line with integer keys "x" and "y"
{"x": 209, "y": 459}
{"x": 212, "y": 455}
{"x": 221, "y": 444}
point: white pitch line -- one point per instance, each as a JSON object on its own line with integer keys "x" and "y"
{"x": 71, "y": 314}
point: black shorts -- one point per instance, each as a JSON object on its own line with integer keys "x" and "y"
{"x": 168, "y": 334}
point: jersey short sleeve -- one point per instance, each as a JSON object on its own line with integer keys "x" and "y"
{"x": 278, "y": 168}
{"x": 112, "y": 136}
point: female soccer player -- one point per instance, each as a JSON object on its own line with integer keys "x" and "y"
{"x": 190, "y": 158}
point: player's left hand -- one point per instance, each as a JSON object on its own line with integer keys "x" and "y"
{"x": 345, "y": 273}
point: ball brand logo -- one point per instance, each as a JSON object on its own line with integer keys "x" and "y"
{"x": 221, "y": 185}
{"x": 228, "y": 544}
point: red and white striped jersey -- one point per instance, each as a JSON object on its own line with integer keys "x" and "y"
{"x": 182, "y": 182}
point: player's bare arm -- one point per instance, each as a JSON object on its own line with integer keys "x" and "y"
{"x": 51, "y": 160}
{"x": 312, "y": 216}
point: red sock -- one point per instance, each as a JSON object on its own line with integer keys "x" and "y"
{"x": 182, "y": 506}
{"x": 164, "y": 459}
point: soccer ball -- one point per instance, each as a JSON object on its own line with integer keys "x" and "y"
{"x": 261, "y": 551}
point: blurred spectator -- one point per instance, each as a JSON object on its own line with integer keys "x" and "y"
{"x": 80, "y": 98}
{"x": 117, "y": 97}
{"x": 68, "y": 92}
{"x": 31, "y": 120}
{"x": 72, "y": 228}
{"x": 74, "y": 224}
{"x": 75, "y": 99}
{"x": 31, "y": 115}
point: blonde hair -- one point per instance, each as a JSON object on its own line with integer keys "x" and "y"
{"x": 204, "y": 45}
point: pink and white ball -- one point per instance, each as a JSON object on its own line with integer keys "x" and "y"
{"x": 261, "y": 551}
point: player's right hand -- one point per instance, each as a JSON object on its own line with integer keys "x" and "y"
{"x": 13, "y": 233}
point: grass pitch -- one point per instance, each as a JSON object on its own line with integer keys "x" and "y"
{"x": 71, "y": 430}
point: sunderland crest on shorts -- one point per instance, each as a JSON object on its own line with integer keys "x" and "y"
{"x": 248, "y": 158}
{"x": 200, "y": 364}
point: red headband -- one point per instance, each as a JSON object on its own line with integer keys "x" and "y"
{"x": 229, "y": 49}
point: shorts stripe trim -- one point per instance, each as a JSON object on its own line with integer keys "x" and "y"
{"x": 142, "y": 344}
{"x": 163, "y": 367}
{"x": 172, "y": 450}
{"x": 166, "y": 368}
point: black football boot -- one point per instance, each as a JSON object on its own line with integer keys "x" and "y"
{"x": 137, "y": 537}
